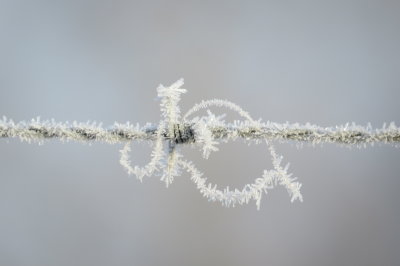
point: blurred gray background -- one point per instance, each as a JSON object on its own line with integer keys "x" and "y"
{"x": 324, "y": 62}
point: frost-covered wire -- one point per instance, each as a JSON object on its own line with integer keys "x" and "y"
{"x": 352, "y": 134}
{"x": 204, "y": 132}
{"x": 219, "y": 103}
{"x": 253, "y": 191}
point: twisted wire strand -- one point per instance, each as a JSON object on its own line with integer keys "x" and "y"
{"x": 350, "y": 134}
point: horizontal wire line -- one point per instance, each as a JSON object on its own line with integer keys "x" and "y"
{"x": 346, "y": 134}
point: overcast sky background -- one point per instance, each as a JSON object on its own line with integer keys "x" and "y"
{"x": 324, "y": 62}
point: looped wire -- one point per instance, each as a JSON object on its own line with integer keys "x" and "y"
{"x": 196, "y": 131}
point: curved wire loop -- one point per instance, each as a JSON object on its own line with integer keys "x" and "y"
{"x": 196, "y": 131}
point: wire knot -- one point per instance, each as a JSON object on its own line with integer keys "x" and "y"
{"x": 183, "y": 133}
{"x": 197, "y": 131}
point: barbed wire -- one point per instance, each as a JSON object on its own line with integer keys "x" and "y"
{"x": 350, "y": 134}
{"x": 205, "y": 132}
